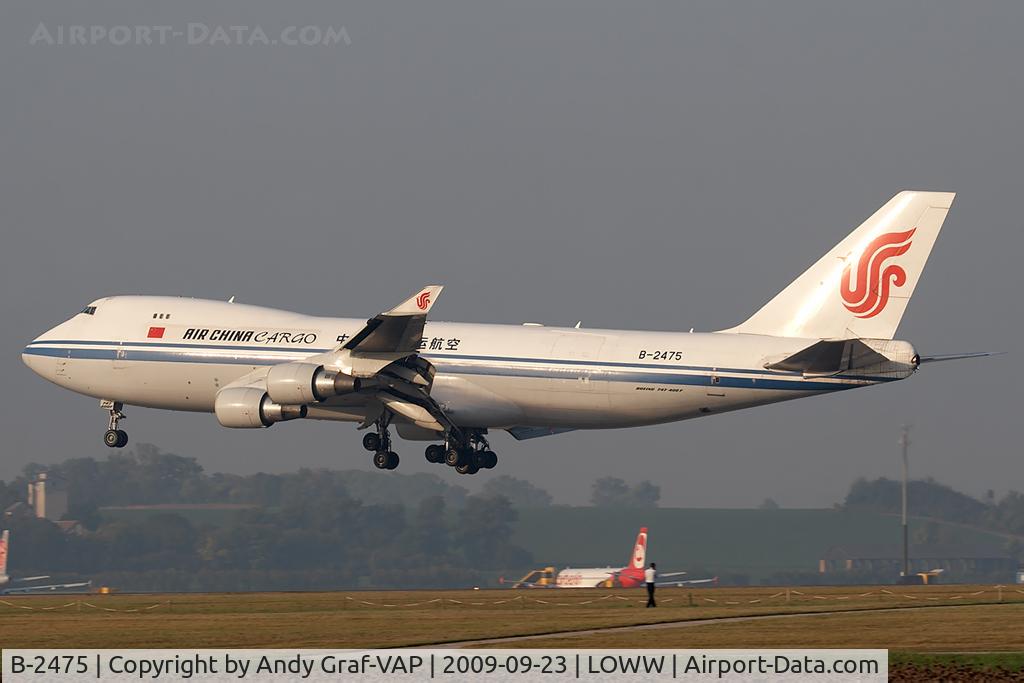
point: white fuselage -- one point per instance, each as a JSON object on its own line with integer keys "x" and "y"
{"x": 587, "y": 577}
{"x": 177, "y": 353}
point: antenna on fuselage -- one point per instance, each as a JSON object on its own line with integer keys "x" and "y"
{"x": 231, "y": 300}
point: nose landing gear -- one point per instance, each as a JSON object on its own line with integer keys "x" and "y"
{"x": 114, "y": 437}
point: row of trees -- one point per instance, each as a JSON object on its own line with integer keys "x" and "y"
{"x": 307, "y": 529}
{"x": 932, "y": 499}
{"x": 145, "y": 475}
{"x": 317, "y": 542}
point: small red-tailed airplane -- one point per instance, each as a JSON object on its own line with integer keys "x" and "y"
{"x": 630, "y": 576}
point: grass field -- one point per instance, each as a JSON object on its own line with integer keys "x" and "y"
{"x": 393, "y": 619}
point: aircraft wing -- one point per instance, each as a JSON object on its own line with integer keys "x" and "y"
{"x": 529, "y": 584}
{"x": 687, "y": 582}
{"x": 681, "y": 582}
{"x": 523, "y": 433}
{"x": 387, "y": 349}
{"x": 398, "y": 330}
{"x": 384, "y": 357}
{"x": 52, "y": 588}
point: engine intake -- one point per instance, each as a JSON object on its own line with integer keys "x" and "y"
{"x": 301, "y": 383}
{"x": 249, "y": 408}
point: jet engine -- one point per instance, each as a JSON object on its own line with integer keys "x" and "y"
{"x": 301, "y": 383}
{"x": 248, "y": 408}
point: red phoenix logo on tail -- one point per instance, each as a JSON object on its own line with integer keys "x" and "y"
{"x": 868, "y": 296}
{"x": 423, "y": 300}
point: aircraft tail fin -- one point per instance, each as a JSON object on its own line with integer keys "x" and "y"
{"x": 4, "y": 540}
{"x": 639, "y": 556}
{"x": 861, "y": 288}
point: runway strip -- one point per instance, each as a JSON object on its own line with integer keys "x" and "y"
{"x": 684, "y": 623}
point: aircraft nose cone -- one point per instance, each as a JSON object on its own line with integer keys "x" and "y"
{"x": 40, "y": 358}
{"x": 32, "y": 359}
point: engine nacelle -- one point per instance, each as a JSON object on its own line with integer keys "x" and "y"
{"x": 248, "y": 408}
{"x": 301, "y": 383}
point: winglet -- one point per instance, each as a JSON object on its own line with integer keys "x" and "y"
{"x": 419, "y": 303}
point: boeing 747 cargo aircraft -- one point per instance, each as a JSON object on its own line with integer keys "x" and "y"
{"x": 832, "y": 329}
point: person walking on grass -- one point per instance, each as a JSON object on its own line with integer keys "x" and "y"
{"x": 650, "y": 576}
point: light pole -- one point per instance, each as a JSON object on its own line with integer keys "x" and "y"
{"x": 905, "y": 443}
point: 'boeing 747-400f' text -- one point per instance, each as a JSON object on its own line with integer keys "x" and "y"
{"x": 452, "y": 383}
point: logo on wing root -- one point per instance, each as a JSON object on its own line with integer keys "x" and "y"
{"x": 423, "y": 300}
{"x": 868, "y": 295}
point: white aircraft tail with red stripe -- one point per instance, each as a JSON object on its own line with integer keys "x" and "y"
{"x": 639, "y": 550}
{"x": 861, "y": 288}
{"x": 3, "y": 556}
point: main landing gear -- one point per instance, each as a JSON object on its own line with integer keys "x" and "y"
{"x": 467, "y": 452}
{"x": 467, "y": 457}
{"x": 379, "y": 443}
{"x": 114, "y": 437}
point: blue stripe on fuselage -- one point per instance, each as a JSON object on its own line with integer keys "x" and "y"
{"x": 433, "y": 357}
{"x": 454, "y": 364}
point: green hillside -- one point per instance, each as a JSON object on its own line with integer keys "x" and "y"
{"x": 756, "y": 543}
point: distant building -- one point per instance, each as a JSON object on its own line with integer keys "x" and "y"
{"x": 19, "y": 510}
{"x": 48, "y": 496}
{"x": 953, "y": 559}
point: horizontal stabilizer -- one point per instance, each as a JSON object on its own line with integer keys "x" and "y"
{"x": 830, "y": 358}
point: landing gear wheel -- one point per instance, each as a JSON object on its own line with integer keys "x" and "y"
{"x": 371, "y": 441}
{"x": 467, "y": 468}
{"x": 380, "y": 460}
{"x": 490, "y": 459}
{"x": 453, "y": 457}
{"x": 114, "y": 437}
{"x": 478, "y": 459}
{"x": 393, "y": 460}
{"x": 435, "y": 453}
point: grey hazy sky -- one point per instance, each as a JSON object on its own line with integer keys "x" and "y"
{"x": 652, "y": 165}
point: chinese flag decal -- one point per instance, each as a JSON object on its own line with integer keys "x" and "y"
{"x": 156, "y": 333}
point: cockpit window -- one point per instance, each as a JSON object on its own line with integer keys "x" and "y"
{"x": 89, "y": 310}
